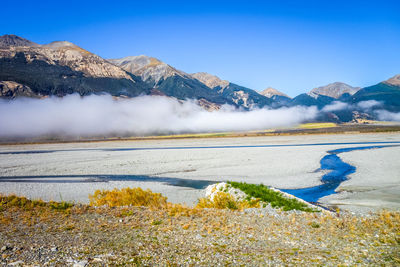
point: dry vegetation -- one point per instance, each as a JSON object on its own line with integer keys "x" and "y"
{"x": 128, "y": 197}
{"x": 317, "y": 125}
{"x": 37, "y": 232}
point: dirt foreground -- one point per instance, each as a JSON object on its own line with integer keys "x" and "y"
{"x": 137, "y": 236}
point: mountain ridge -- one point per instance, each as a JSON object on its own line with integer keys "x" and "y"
{"x": 8, "y": 40}
{"x": 334, "y": 90}
{"x": 72, "y": 69}
{"x": 271, "y": 92}
{"x": 167, "y": 79}
{"x": 240, "y": 95}
{"x": 68, "y": 69}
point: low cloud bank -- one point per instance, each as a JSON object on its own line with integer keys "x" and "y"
{"x": 369, "y": 104}
{"x": 385, "y": 115}
{"x": 335, "y": 106}
{"x": 364, "y": 106}
{"x": 146, "y": 115}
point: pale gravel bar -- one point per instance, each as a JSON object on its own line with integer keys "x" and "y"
{"x": 374, "y": 185}
{"x": 288, "y": 166}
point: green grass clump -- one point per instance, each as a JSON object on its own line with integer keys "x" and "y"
{"x": 276, "y": 199}
{"x": 63, "y": 205}
{"x": 156, "y": 222}
{"x": 223, "y": 200}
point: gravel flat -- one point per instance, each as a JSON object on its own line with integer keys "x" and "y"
{"x": 139, "y": 236}
{"x": 72, "y": 171}
{"x": 374, "y": 185}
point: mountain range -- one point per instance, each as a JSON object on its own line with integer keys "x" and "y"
{"x": 60, "y": 68}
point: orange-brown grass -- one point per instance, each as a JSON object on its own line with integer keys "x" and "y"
{"x": 27, "y": 204}
{"x": 156, "y": 201}
{"x": 181, "y": 210}
{"x": 128, "y": 197}
{"x": 31, "y": 211}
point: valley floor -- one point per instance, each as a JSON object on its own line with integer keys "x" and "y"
{"x": 181, "y": 168}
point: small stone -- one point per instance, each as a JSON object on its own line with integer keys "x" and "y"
{"x": 198, "y": 236}
{"x": 3, "y": 248}
{"x": 54, "y": 249}
{"x": 16, "y": 263}
{"x": 97, "y": 260}
{"x": 81, "y": 264}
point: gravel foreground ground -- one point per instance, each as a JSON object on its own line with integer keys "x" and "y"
{"x": 138, "y": 236}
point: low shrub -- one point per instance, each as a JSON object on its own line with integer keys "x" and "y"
{"x": 128, "y": 197}
{"x": 30, "y": 205}
{"x": 276, "y": 199}
{"x": 223, "y": 200}
{"x": 63, "y": 205}
{"x": 20, "y": 202}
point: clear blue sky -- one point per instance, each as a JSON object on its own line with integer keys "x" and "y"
{"x": 290, "y": 45}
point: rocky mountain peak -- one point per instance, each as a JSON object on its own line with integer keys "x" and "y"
{"x": 65, "y": 46}
{"x": 149, "y": 68}
{"x": 394, "y": 80}
{"x": 210, "y": 80}
{"x": 334, "y": 90}
{"x": 271, "y": 92}
{"x": 55, "y": 55}
{"x": 135, "y": 63}
{"x": 60, "y": 44}
{"x": 8, "y": 40}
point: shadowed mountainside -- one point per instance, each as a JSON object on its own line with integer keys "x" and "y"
{"x": 240, "y": 95}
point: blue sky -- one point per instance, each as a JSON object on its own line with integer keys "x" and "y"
{"x": 293, "y": 46}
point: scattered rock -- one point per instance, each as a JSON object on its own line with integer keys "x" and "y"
{"x": 96, "y": 260}
{"x": 81, "y": 263}
{"x": 16, "y": 263}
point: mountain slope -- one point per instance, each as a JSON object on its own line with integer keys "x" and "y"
{"x": 271, "y": 92}
{"x": 307, "y": 100}
{"x": 13, "y": 40}
{"x": 334, "y": 90}
{"x": 61, "y": 68}
{"x": 168, "y": 80}
{"x": 280, "y": 98}
{"x": 10, "y": 89}
{"x": 394, "y": 81}
{"x": 240, "y": 95}
{"x": 388, "y": 92}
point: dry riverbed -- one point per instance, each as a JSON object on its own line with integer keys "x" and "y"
{"x": 179, "y": 169}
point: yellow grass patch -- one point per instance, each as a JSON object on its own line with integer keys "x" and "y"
{"x": 317, "y": 125}
{"x": 128, "y": 197}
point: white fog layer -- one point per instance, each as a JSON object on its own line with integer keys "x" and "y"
{"x": 144, "y": 115}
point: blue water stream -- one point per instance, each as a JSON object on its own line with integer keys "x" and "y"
{"x": 339, "y": 172}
